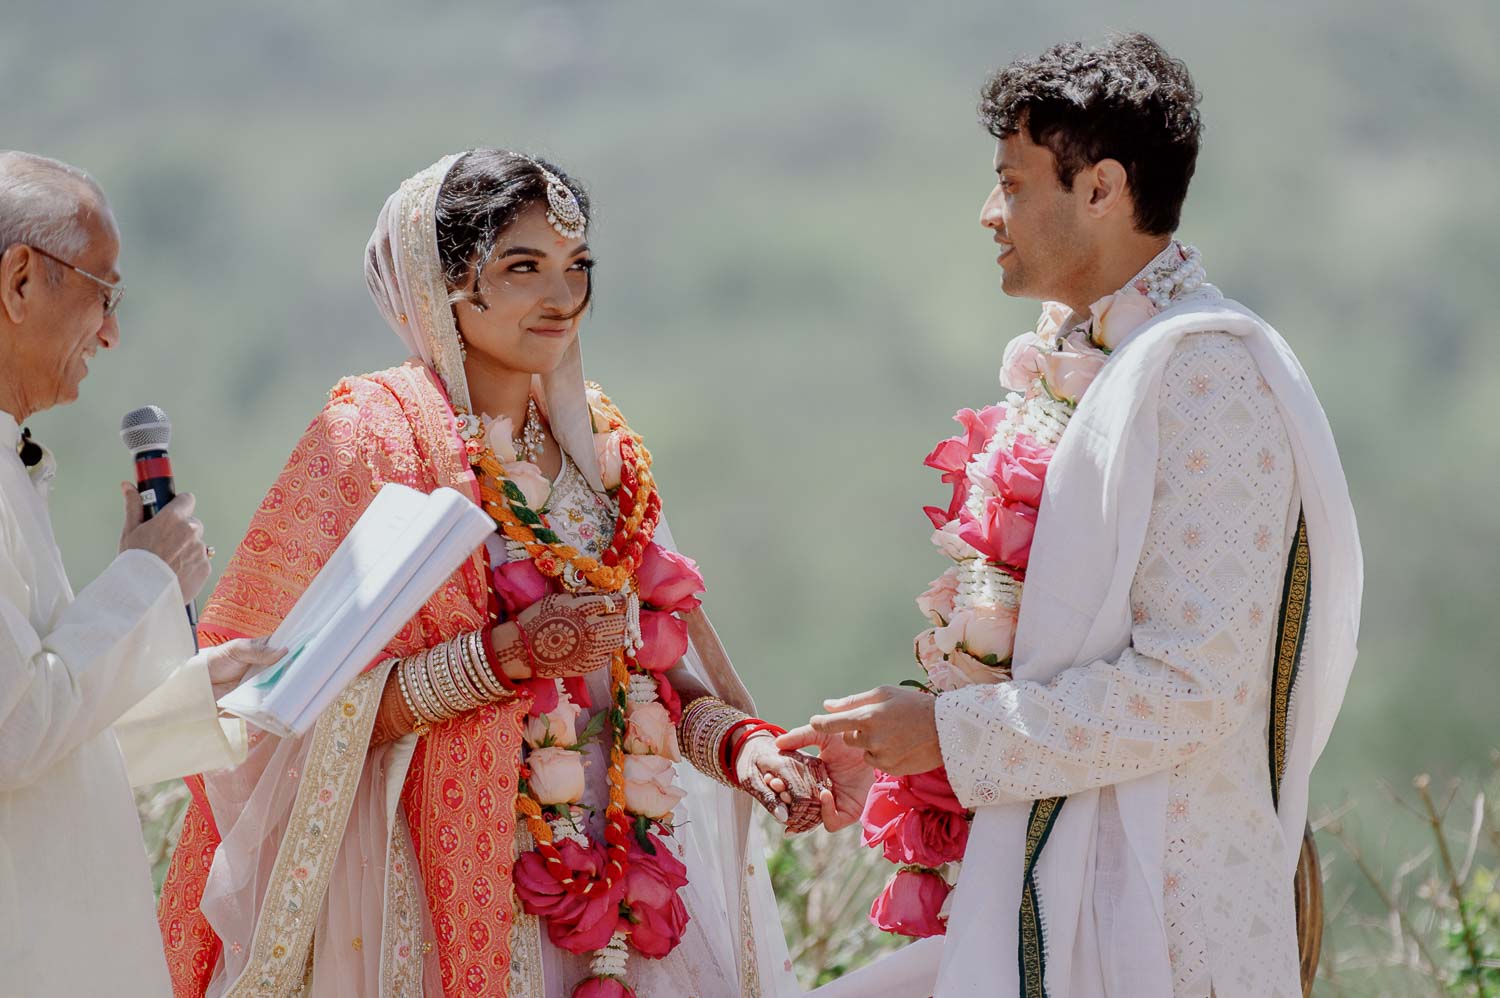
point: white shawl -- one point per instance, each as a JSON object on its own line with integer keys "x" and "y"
{"x": 1076, "y": 610}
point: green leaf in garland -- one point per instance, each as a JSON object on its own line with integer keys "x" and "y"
{"x": 642, "y": 827}
{"x": 513, "y": 492}
{"x": 592, "y": 730}
{"x": 546, "y": 536}
{"x": 917, "y": 684}
{"x": 526, "y": 516}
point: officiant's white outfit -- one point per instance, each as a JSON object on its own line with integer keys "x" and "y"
{"x": 1130, "y": 838}
{"x": 96, "y": 692}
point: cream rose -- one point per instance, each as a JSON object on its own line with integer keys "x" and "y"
{"x": 648, "y": 785}
{"x": 947, "y": 540}
{"x": 556, "y": 775}
{"x": 559, "y": 724}
{"x": 607, "y": 454}
{"x": 1117, "y": 315}
{"x": 530, "y": 480}
{"x": 936, "y": 604}
{"x": 1022, "y": 364}
{"x": 500, "y": 434}
{"x": 649, "y": 731}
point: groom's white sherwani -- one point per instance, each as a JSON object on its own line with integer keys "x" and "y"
{"x": 85, "y": 685}
{"x": 1122, "y": 782}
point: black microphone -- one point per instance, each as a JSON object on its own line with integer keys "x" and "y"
{"x": 146, "y": 432}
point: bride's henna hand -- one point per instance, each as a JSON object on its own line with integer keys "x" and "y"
{"x": 792, "y": 781}
{"x": 563, "y": 635}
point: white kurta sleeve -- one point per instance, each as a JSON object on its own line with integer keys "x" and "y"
{"x": 1204, "y": 600}
{"x": 120, "y": 639}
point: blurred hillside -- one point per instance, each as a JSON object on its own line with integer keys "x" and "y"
{"x": 793, "y": 292}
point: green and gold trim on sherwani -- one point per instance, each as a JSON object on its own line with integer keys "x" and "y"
{"x": 1032, "y": 950}
{"x": 1291, "y": 630}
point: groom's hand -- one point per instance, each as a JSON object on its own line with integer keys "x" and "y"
{"x": 895, "y": 726}
{"x": 843, "y": 802}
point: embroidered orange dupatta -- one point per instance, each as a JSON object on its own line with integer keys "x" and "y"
{"x": 459, "y": 793}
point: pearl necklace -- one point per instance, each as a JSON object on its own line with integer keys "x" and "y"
{"x": 1165, "y": 282}
{"x": 529, "y": 444}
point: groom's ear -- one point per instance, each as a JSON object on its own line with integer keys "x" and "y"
{"x": 1107, "y": 187}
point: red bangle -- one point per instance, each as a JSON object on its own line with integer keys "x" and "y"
{"x": 755, "y": 729}
{"x": 487, "y": 641}
{"x": 726, "y": 751}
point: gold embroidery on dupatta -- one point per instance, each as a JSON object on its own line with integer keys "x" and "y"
{"x": 304, "y": 861}
{"x": 526, "y": 975}
{"x": 401, "y": 943}
{"x": 750, "y": 966}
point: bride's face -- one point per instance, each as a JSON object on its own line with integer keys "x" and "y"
{"x": 524, "y": 312}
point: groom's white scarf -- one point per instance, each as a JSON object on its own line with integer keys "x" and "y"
{"x": 1076, "y": 610}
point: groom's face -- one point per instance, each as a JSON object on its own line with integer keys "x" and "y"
{"x": 1037, "y": 222}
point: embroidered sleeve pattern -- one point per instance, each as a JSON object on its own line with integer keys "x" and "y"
{"x": 1203, "y": 602}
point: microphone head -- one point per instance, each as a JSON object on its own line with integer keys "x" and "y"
{"x": 146, "y": 428}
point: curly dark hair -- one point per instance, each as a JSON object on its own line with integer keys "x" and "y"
{"x": 1126, "y": 100}
{"x": 481, "y": 196}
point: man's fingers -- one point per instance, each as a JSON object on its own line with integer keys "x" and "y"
{"x": 857, "y": 700}
{"x": 798, "y": 738}
{"x": 829, "y": 807}
{"x": 135, "y": 511}
{"x": 832, "y": 724}
{"x": 182, "y": 504}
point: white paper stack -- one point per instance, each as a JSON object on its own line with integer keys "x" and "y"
{"x": 405, "y": 545}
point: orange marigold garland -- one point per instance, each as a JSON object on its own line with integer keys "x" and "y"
{"x": 614, "y": 572}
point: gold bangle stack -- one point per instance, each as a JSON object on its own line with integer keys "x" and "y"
{"x": 439, "y": 683}
{"x": 701, "y": 733}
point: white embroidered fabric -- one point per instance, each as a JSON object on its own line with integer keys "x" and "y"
{"x": 1191, "y": 694}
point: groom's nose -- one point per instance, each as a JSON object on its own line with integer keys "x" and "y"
{"x": 990, "y": 215}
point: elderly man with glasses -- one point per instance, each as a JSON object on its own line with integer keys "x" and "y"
{"x": 99, "y": 690}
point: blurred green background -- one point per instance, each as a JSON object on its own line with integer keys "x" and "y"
{"x": 793, "y": 293}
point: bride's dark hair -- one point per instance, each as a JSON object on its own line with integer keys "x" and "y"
{"x": 481, "y": 196}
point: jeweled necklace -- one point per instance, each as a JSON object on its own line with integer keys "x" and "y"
{"x": 529, "y": 444}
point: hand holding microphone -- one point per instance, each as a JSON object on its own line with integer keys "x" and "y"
{"x": 156, "y": 519}
{"x": 174, "y": 535}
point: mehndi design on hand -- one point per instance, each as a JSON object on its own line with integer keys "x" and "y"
{"x": 572, "y": 635}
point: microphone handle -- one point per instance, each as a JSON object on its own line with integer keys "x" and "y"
{"x": 153, "y": 480}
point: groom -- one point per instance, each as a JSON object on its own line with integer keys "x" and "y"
{"x": 1138, "y": 767}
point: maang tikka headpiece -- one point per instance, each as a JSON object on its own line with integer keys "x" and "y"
{"x": 563, "y": 210}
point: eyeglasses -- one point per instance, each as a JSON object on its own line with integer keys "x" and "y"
{"x": 115, "y": 289}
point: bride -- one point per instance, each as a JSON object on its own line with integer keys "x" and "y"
{"x": 493, "y": 807}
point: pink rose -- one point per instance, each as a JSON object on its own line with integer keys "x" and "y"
{"x": 947, "y": 541}
{"x": 1050, "y": 323}
{"x": 665, "y": 639}
{"x": 598, "y": 415}
{"x": 933, "y": 662}
{"x": 926, "y": 826}
{"x": 936, "y": 603}
{"x": 1003, "y": 534}
{"x": 602, "y": 987}
{"x": 1118, "y": 315}
{"x": 657, "y": 913}
{"x": 1017, "y": 473}
{"x": 668, "y": 580}
{"x": 910, "y": 903}
{"x": 648, "y": 785}
{"x": 981, "y": 631}
{"x": 544, "y": 698}
{"x": 607, "y": 454}
{"x": 556, "y": 775}
{"x": 1022, "y": 363}
{"x": 527, "y": 477}
{"x": 649, "y": 731}
{"x": 500, "y": 434}
{"x": 1069, "y": 371}
{"x": 953, "y": 455}
{"x": 578, "y": 923}
{"x": 519, "y": 584}
{"x": 667, "y": 696}
{"x": 557, "y": 727}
